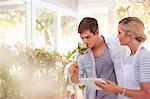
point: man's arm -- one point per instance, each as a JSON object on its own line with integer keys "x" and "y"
{"x": 74, "y": 70}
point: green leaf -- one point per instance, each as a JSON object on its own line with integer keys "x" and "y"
{"x": 71, "y": 54}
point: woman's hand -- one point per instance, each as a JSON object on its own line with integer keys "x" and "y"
{"x": 109, "y": 87}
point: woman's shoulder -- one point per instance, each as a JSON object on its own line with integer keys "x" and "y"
{"x": 144, "y": 53}
{"x": 144, "y": 56}
{"x": 142, "y": 66}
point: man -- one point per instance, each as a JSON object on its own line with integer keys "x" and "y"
{"x": 102, "y": 60}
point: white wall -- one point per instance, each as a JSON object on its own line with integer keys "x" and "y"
{"x": 103, "y": 8}
{"x": 92, "y": 3}
{"x": 68, "y": 4}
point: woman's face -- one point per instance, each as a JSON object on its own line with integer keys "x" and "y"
{"x": 123, "y": 37}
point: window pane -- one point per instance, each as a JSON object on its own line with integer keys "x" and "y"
{"x": 12, "y": 25}
{"x": 139, "y": 8}
{"x": 68, "y": 38}
{"x": 101, "y": 14}
{"x": 45, "y": 28}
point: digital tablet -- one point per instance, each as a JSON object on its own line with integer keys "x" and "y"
{"x": 90, "y": 82}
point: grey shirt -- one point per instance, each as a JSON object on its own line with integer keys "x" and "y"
{"x": 105, "y": 69}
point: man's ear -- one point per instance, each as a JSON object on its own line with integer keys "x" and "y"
{"x": 97, "y": 32}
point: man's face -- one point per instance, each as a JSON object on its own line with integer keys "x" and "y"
{"x": 123, "y": 37}
{"x": 88, "y": 38}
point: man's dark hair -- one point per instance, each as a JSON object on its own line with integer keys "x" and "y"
{"x": 88, "y": 23}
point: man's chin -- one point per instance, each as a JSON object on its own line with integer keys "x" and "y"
{"x": 122, "y": 44}
{"x": 89, "y": 47}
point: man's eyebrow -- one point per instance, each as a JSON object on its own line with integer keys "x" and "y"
{"x": 85, "y": 36}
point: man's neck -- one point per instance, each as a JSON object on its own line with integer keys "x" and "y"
{"x": 100, "y": 46}
{"x": 100, "y": 42}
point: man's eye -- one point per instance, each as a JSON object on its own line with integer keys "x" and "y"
{"x": 88, "y": 37}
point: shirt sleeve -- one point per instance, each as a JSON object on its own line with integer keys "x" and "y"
{"x": 144, "y": 67}
{"x": 78, "y": 60}
{"x": 81, "y": 69}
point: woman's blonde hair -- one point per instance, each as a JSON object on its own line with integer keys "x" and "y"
{"x": 134, "y": 27}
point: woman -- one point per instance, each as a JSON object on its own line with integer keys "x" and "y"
{"x": 136, "y": 67}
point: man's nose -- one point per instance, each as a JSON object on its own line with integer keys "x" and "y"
{"x": 85, "y": 41}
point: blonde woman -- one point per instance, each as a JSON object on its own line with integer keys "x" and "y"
{"x": 136, "y": 67}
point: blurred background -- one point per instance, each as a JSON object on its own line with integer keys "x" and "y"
{"x": 41, "y": 32}
{"x": 52, "y": 24}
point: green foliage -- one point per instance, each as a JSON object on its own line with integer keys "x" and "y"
{"x": 69, "y": 26}
{"x": 9, "y": 88}
{"x": 46, "y": 59}
{"x": 39, "y": 59}
{"x": 45, "y": 20}
{"x": 10, "y": 18}
{"x": 82, "y": 48}
{"x": 71, "y": 55}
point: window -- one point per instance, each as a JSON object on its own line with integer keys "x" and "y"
{"x": 45, "y": 33}
{"x": 12, "y": 24}
{"x": 68, "y": 37}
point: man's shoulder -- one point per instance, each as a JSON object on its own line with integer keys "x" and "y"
{"x": 115, "y": 46}
{"x": 112, "y": 41}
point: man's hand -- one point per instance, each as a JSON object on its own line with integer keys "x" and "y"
{"x": 74, "y": 70}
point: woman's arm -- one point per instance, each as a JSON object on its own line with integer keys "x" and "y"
{"x": 139, "y": 94}
{"x": 144, "y": 93}
{"x": 146, "y": 87}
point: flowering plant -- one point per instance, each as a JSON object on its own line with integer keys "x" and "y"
{"x": 17, "y": 61}
{"x": 82, "y": 48}
{"x": 47, "y": 59}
